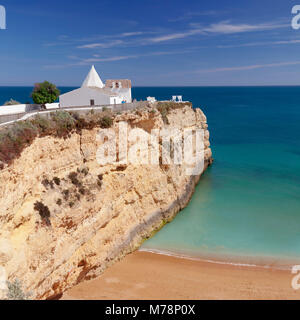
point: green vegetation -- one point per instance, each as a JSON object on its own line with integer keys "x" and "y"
{"x": 42, "y": 124}
{"x": 16, "y": 137}
{"x": 82, "y": 190}
{"x": 164, "y": 110}
{"x": 15, "y": 291}
{"x": 71, "y": 204}
{"x": 56, "y": 181}
{"x": 45, "y": 92}
{"x": 43, "y": 211}
{"x": 46, "y": 183}
{"x": 85, "y": 171}
{"x": 165, "y": 107}
{"x": 70, "y": 189}
{"x": 66, "y": 194}
{"x": 106, "y": 122}
{"x": 73, "y": 176}
{"x": 64, "y": 123}
{"x": 11, "y": 102}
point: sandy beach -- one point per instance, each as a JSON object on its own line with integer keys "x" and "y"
{"x": 144, "y": 275}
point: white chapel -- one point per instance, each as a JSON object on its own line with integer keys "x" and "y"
{"x": 94, "y": 93}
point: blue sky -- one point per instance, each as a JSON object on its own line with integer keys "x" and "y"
{"x": 157, "y": 42}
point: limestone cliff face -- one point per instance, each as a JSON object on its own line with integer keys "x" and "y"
{"x": 97, "y": 213}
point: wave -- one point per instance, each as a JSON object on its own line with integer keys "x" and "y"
{"x": 222, "y": 262}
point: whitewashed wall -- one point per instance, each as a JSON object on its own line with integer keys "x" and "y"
{"x": 116, "y": 100}
{"x": 50, "y": 106}
{"x": 83, "y": 97}
{"x": 21, "y": 108}
{"x": 124, "y": 93}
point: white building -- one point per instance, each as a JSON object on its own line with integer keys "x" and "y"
{"x": 94, "y": 93}
{"x": 151, "y": 99}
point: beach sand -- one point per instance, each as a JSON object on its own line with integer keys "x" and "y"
{"x": 144, "y": 275}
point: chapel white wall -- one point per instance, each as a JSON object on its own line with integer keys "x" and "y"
{"x": 83, "y": 97}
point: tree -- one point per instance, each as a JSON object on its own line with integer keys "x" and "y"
{"x": 45, "y": 92}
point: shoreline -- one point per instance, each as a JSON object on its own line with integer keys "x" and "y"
{"x": 150, "y": 276}
{"x": 275, "y": 263}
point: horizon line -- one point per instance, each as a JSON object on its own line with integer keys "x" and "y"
{"x": 170, "y": 86}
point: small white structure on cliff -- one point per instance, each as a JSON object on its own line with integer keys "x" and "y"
{"x": 151, "y": 99}
{"x": 94, "y": 93}
{"x": 177, "y": 98}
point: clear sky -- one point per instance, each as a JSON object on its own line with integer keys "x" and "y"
{"x": 151, "y": 42}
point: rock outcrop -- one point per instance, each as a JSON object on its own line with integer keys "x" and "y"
{"x": 65, "y": 218}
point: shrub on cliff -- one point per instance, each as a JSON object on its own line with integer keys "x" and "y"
{"x": 164, "y": 110}
{"x": 56, "y": 181}
{"x": 106, "y": 122}
{"x": 46, "y": 183}
{"x": 45, "y": 92}
{"x": 43, "y": 211}
{"x": 11, "y": 102}
{"x": 15, "y": 291}
{"x": 13, "y": 139}
{"x": 165, "y": 107}
{"x": 73, "y": 176}
{"x": 64, "y": 122}
{"x": 44, "y": 125}
{"x": 66, "y": 194}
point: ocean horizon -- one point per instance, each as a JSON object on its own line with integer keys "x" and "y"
{"x": 22, "y": 94}
{"x": 246, "y": 205}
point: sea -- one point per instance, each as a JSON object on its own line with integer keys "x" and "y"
{"x": 246, "y": 207}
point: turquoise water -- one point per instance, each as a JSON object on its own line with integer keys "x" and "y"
{"x": 247, "y": 205}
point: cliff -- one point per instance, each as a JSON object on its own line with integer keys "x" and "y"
{"x": 65, "y": 218}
